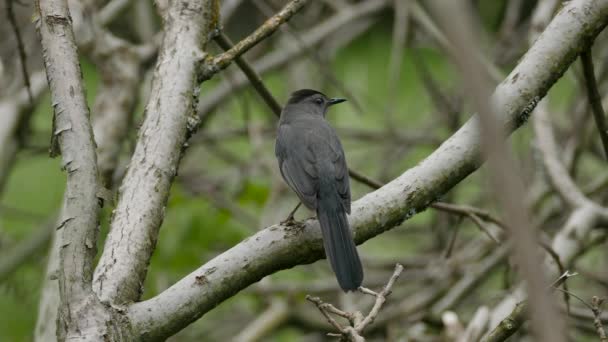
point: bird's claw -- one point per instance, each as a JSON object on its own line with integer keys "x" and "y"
{"x": 290, "y": 221}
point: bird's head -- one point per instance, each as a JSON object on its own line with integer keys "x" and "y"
{"x": 312, "y": 101}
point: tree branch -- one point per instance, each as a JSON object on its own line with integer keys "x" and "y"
{"x": 222, "y": 61}
{"x": 256, "y": 81}
{"x": 168, "y": 123}
{"x": 73, "y": 130}
{"x": 358, "y": 323}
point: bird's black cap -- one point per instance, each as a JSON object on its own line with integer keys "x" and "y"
{"x": 299, "y": 95}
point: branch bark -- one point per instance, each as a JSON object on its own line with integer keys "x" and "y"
{"x": 79, "y": 220}
{"x": 169, "y": 122}
{"x": 279, "y": 247}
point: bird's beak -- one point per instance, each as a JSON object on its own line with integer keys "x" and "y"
{"x": 335, "y": 101}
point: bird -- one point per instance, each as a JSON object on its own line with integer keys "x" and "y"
{"x": 312, "y": 162}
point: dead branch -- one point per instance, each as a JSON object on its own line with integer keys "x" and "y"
{"x": 358, "y": 323}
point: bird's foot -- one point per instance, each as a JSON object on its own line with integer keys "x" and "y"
{"x": 289, "y": 221}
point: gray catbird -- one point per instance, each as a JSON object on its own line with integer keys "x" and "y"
{"x": 311, "y": 160}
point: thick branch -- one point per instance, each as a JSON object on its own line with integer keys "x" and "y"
{"x": 72, "y": 128}
{"x": 169, "y": 121}
{"x": 280, "y": 247}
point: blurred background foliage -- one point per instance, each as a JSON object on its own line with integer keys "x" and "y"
{"x": 229, "y": 186}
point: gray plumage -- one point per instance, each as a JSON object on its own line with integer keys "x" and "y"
{"x": 311, "y": 160}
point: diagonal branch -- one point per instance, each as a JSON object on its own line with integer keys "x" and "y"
{"x": 280, "y": 247}
{"x": 256, "y": 81}
{"x": 223, "y": 60}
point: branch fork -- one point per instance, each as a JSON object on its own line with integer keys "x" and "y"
{"x": 356, "y": 319}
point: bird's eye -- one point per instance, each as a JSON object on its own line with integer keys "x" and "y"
{"x": 319, "y": 101}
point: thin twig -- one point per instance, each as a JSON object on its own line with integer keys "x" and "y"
{"x": 357, "y": 322}
{"x": 256, "y": 81}
{"x": 223, "y": 60}
{"x": 595, "y": 99}
{"x": 380, "y": 299}
{"x": 20, "y": 49}
{"x": 325, "y": 308}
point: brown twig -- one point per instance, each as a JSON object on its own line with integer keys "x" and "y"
{"x": 256, "y": 81}
{"x": 223, "y": 60}
{"x": 595, "y": 99}
{"x": 357, "y": 322}
{"x": 380, "y": 298}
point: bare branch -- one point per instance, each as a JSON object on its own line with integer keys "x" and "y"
{"x": 75, "y": 137}
{"x": 256, "y": 81}
{"x": 380, "y": 299}
{"x": 222, "y": 61}
{"x": 357, "y": 322}
{"x": 595, "y": 99}
{"x": 169, "y": 122}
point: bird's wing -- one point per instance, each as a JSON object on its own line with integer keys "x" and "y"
{"x": 297, "y": 164}
{"x": 340, "y": 170}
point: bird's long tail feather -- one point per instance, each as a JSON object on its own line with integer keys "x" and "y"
{"x": 339, "y": 246}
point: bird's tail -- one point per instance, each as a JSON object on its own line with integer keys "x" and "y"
{"x": 339, "y": 246}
